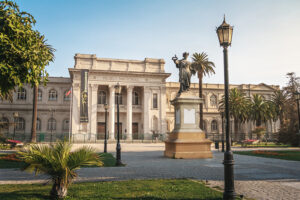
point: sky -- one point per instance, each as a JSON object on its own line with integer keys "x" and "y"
{"x": 265, "y": 44}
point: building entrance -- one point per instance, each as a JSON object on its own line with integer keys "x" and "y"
{"x": 135, "y": 131}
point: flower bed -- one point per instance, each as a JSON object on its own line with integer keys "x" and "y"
{"x": 246, "y": 142}
{"x": 10, "y": 157}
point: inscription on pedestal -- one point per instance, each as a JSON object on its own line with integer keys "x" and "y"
{"x": 189, "y": 116}
{"x": 177, "y": 116}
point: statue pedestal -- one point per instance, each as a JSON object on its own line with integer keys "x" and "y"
{"x": 187, "y": 140}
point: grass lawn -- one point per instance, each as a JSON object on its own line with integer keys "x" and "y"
{"x": 107, "y": 158}
{"x": 263, "y": 144}
{"x": 285, "y": 155}
{"x": 178, "y": 189}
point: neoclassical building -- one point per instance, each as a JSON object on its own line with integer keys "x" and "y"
{"x": 75, "y": 106}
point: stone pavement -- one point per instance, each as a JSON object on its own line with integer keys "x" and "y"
{"x": 259, "y": 178}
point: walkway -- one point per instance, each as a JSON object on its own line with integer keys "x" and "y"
{"x": 259, "y": 178}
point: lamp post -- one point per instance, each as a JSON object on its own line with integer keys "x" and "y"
{"x": 105, "y": 135}
{"x": 15, "y": 115}
{"x": 297, "y": 95}
{"x": 224, "y": 32}
{"x": 118, "y": 89}
{"x": 222, "y": 116}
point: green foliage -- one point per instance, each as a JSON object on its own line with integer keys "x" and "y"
{"x": 202, "y": 64}
{"x": 285, "y": 155}
{"x": 259, "y": 131}
{"x": 58, "y": 162}
{"x": 24, "y": 51}
{"x": 133, "y": 189}
{"x": 261, "y": 110}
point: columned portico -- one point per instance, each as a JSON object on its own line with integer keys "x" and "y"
{"x": 111, "y": 121}
{"x": 129, "y": 113}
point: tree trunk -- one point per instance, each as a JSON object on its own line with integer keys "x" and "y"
{"x": 58, "y": 191}
{"x": 34, "y": 113}
{"x": 236, "y": 129}
{"x": 200, "y": 76}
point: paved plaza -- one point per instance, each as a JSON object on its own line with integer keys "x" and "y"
{"x": 258, "y": 178}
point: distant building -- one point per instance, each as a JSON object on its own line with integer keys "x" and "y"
{"x": 144, "y": 103}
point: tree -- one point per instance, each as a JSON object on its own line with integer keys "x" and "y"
{"x": 59, "y": 163}
{"x": 238, "y": 108}
{"x": 24, "y": 53}
{"x": 260, "y": 110}
{"x": 204, "y": 67}
{"x": 279, "y": 100}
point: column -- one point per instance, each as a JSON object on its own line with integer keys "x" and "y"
{"x": 94, "y": 104}
{"x": 111, "y": 120}
{"x": 129, "y": 113}
{"x": 147, "y": 98}
{"x": 75, "y": 108}
{"x": 163, "y": 119}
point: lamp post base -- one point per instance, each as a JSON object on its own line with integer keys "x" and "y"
{"x": 229, "y": 193}
{"x": 118, "y": 161}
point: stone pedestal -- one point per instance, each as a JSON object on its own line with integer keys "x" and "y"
{"x": 187, "y": 140}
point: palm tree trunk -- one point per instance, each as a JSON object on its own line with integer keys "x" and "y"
{"x": 59, "y": 190}
{"x": 236, "y": 129}
{"x": 200, "y": 76}
{"x": 34, "y": 113}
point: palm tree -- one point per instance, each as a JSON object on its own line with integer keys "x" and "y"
{"x": 279, "y": 100}
{"x": 204, "y": 67}
{"x": 59, "y": 163}
{"x": 238, "y": 108}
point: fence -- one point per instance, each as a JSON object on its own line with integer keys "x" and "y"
{"x": 78, "y": 137}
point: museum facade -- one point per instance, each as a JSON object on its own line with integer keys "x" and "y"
{"x": 75, "y": 106}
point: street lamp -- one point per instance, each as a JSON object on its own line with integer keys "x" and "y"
{"x": 297, "y": 95}
{"x": 222, "y": 116}
{"x": 118, "y": 89}
{"x": 105, "y": 135}
{"x": 15, "y": 115}
{"x": 224, "y": 32}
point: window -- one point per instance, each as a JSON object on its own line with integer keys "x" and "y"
{"x": 40, "y": 95}
{"x": 38, "y": 124}
{"x": 120, "y": 98}
{"x": 67, "y": 95}
{"x": 20, "y": 123}
{"x": 21, "y": 94}
{"x": 52, "y": 95}
{"x": 51, "y": 124}
{"x": 4, "y": 123}
{"x": 135, "y": 99}
{"x": 102, "y": 97}
{"x": 213, "y": 100}
{"x": 66, "y": 124}
{"x": 214, "y": 125}
{"x": 154, "y": 100}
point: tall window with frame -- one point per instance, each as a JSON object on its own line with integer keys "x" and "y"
{"x": 21, "y": 94}
{"x": 155, "y": 101}
{"x": 4, "y": 124}
{"x": 67, "y": 95}
{"x": 213, "y": 101}
{"x": 51, "y": 124}
{"x": 20, "y": 123}
{"x": 102, "y": 97}
{"x": 40, "y": 95}
{"x": 52, "y": 95}
{"x": 135, "y": 99}
{"x": 66, "y": 124}
{"x": 214, "y": 126}
{"x": 38, "y": 124}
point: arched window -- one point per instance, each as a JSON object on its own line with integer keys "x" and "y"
{"x": 66, "y": 124}
{"x": 120, "y": 98}
{"x": 21, "y": 94}
{"x": 67, "y": 95}
{"x": 102, "y": 97}
{"x": 213, "y": 100}
{"x": 4, "y": 123}
{"x": 20, "y": 123}
{"x": 52, "y": 95}
{"x": 135, "y": 99}
{"x": 40, "y": 95}
{"x": 38, "y": 124}
{"x": 51, "y": 124}
{"x": 214, "y": 125}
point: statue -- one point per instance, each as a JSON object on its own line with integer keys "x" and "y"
{"x": 185, "y": 72}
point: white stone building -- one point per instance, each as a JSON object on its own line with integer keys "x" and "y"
{"x": 144, "y": 103}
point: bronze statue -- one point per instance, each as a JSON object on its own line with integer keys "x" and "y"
{"x": 185, "y": 72}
